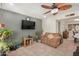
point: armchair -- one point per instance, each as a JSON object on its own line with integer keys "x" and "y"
{"x": 51, "y": 39}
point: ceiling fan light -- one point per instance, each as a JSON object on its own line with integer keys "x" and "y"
{"x": 55, "y": 10}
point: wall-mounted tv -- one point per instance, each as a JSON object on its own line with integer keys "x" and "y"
{"x": 27, "y": 24}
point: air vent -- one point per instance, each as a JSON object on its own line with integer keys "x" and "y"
{"x": 72, "y": 14}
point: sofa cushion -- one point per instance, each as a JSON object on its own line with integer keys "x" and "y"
{"x": 50, "y": 36}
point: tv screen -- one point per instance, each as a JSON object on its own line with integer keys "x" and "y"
{"x": 28, "y": 24}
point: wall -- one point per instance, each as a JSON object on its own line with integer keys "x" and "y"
{"x": 13, "y": 22}
{"x": 62, "y": 26}
{"x": 0, "y": 5}
{"x": 49, "y": 25}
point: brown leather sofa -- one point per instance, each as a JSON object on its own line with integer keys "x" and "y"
{"x": 51, "y": 39}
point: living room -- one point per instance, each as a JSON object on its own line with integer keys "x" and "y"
{"x": 37, "y": 31}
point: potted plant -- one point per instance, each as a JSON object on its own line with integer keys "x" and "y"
{"x": 4, "y": 45}
{"x": 5, "y": 33}
{"x": 37, "y": 35}
{"x": 4, "y": 48}
{"x": 13, "y": 44}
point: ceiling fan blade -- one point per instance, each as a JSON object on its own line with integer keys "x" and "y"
{"x": 47, "y": 12}
{"x": 63, "y": 6}
{"x": 46, "y": 6}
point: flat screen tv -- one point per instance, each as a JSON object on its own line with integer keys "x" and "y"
{"x": 27, "y": 24}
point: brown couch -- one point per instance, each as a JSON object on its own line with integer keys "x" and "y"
{"x": 51, "y": 39}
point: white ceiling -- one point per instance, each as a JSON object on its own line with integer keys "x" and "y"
{"x": 35, "y": 10}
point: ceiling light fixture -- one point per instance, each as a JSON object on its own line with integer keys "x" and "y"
{"x": 28, "y": 19}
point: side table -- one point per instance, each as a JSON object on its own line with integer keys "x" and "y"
{"x": 27, "y": 41}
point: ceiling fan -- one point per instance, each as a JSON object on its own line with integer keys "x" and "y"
{"x": 55, "y": 7}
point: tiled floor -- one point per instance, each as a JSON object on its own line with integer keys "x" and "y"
{"x": 38, "y": 49}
